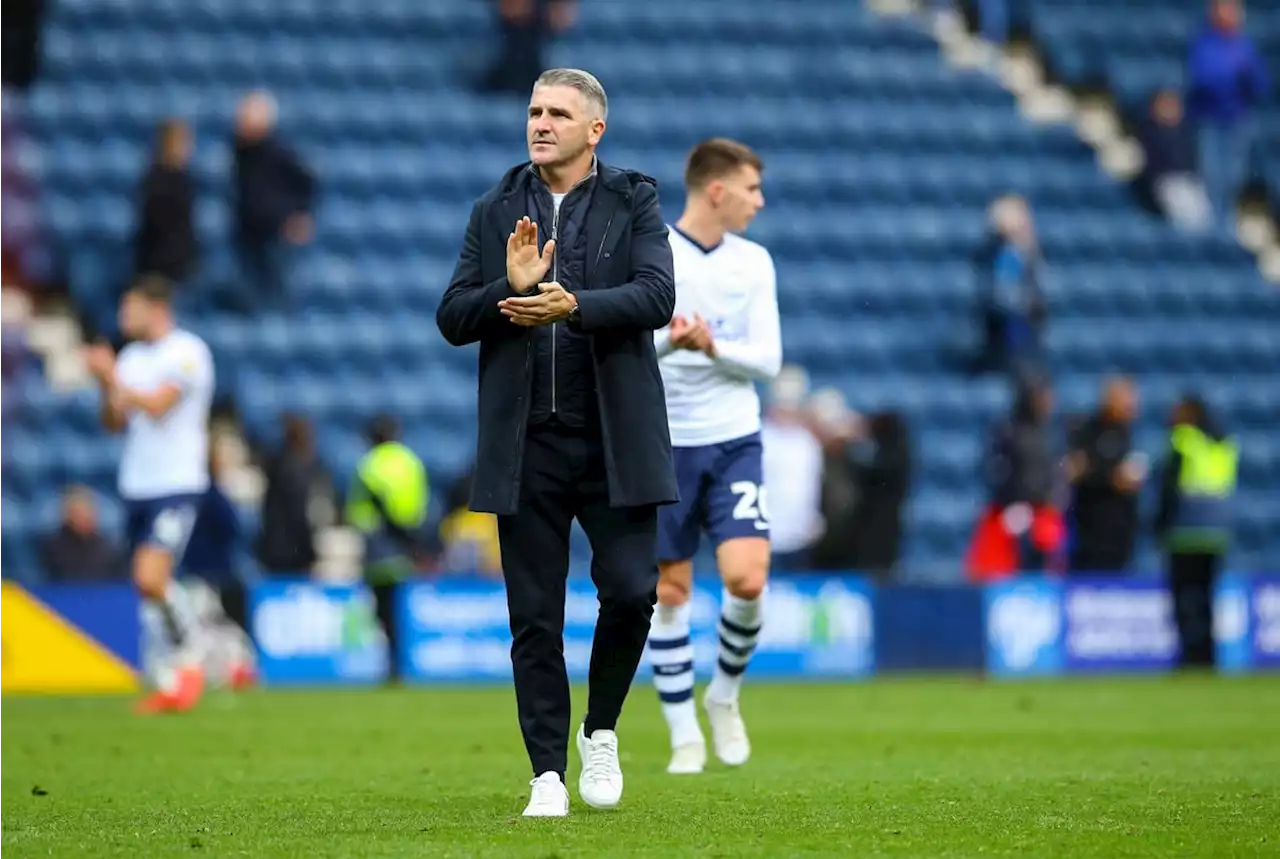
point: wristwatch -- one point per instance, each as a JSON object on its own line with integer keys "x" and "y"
{"x": 574, "y": 314}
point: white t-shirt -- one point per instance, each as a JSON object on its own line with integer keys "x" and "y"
{"x": 734, "y": 288}
{"x": 793, "y": 476}
{"x": 169, "y": 455}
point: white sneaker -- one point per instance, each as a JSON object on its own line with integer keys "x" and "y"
{"x": 550, "y": 798}
{"x": 728, "y": 733}
{"x": 600, "y": 784}
{"x": 688, "y": 759}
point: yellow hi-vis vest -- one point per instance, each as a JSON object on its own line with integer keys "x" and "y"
{"x": 1206, "y": 482}
{"x": 390, "y": 482}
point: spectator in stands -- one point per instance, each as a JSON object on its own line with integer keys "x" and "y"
{"x": 216, "y": 547}
{"x": 25, "y": 261}
{"x": 792, "y": 472}
{"x": 469, "y": 540}
{"x": 275, "y": 197}
{"x": 526, "y": 26}
{"x": 1106, "y": 474}
{"x": 77, "y": 551}
{"x": 837, "y": 429}
{"x": 1170, "y": 173}
{"x": 1008, "y": 265}
{"x": 1194, "y": 521}
{"x": 15, "y": 354}
{"x": 23, "y": 22}
{"x": 883, "y": 474}
{"x": 1021, "y": 528}
{"x": 286, "y": 544}
{"x": 1227, "y": 83}
{"x": 165, "y": 239}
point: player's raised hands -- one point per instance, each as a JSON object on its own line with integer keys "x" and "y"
{"x": 101, "y": 361}
{"x": 684, "y": 333}
{"x": 701, "y": 336}
{"x": 526, "y": 266}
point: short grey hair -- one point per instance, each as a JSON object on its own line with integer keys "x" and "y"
{"x": 584, "y": 82}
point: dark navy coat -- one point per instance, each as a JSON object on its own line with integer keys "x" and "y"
{"x": 627, "y": 293}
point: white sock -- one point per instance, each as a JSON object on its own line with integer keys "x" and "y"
{"x": 158, "y": 650}
{"x": 739, "y": 629}
{"x": 671, "y": 653}
{"x": 183, "y": 624}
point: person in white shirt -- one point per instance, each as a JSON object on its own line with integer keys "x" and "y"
{"x": 793, "y": 470}
{"x": 724, "y": 337}
{"x": 158, "y": 392}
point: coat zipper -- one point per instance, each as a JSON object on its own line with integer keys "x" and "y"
{"x": 555, "y": 276}
{"x": 603, "y": 239}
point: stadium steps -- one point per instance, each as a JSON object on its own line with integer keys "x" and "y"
{"x": 1022, "y": 69}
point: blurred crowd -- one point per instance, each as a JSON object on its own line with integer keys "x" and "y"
{"x": 1062, "y": 490}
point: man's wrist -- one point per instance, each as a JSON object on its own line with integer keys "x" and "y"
{"x": 517, "y": 290}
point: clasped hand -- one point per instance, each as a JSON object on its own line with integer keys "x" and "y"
{"x": 552, "y": 303}
{"x": 101, "y": 362}
{"x": 526, "y": 267}
{"x": 694, "y": 336}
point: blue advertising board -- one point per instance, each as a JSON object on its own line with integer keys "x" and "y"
{"x": 1046, "y": 626}
{"x": 453, "y": 631}
{"x": 1246, "y": 623}
{"x": 316, "y": 634}
{"x": 1114, "y": 626}
{"x": 108, "y": 612}
{"x": 1023, "y": 619}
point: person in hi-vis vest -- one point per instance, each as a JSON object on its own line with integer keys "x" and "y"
{"x": 387, "y": 502}
{"x": 1194, "y": 522}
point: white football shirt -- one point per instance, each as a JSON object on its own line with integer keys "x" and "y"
{"x": 734, "y": 288}
{"x": 169, "y": 455}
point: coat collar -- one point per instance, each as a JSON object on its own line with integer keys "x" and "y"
{"x": 612, "y": 190}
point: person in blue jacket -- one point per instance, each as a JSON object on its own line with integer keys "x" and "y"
{"x": 1227, "y": 81}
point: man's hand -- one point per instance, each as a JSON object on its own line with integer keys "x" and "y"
{"x": 525, "y": 266}
{"x": 1127, "y": 477}
{"x": 682, "y": 333}
{"x": 551, "y": 304}
{"x": 702, "y": 339}
{"x": 118, "y": 399}
{"x": 298, "y": 229}
{"x": 694, "y": 336}
{"x": 1077, "y": 465}
{"x": 101, "y": 361}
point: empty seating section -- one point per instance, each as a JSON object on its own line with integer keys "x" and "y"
{"x": 880, "y": 159}
{"x": 1135, "y": 49}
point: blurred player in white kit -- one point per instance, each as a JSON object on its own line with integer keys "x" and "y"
{"x": 158, "y": 392}
{"x": 724, "y": 337}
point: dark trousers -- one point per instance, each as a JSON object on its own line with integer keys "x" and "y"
{"x": 384, "y": 601}
{"x": 262, "y": 279}
{"x": 1191, "y": 578}
{"x": 1085, "y": 561}
{"x": 564, "y": 477}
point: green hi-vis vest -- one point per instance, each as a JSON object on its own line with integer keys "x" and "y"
{"x": 1206, "y": 483}
{"x": 390, "y": 486}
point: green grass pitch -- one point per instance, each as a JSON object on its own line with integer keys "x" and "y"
{"x": 922, "y": 767}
